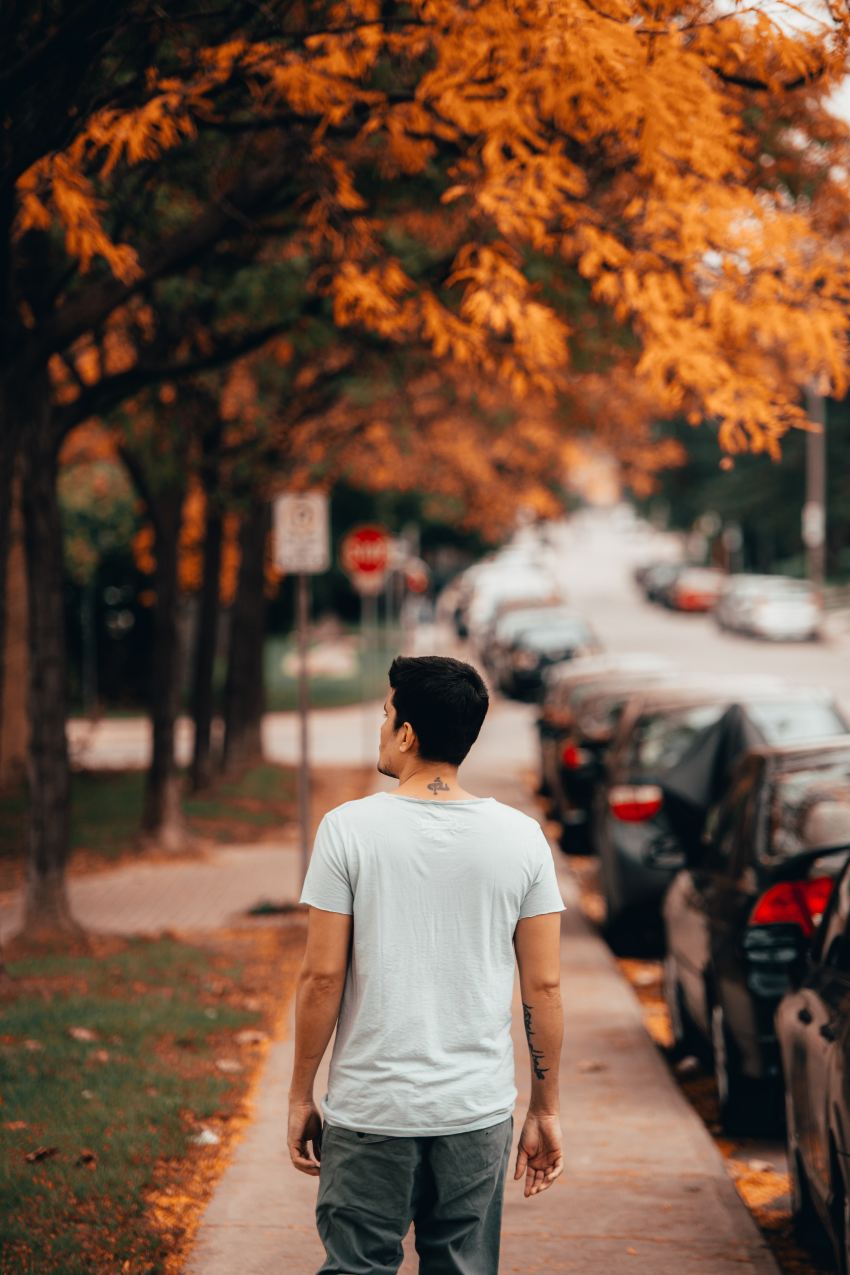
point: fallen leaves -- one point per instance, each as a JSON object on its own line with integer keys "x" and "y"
{"x": 82, "y": 1033}
{"x": 40, "y": 1153}
{"x": 251, "y": 1036}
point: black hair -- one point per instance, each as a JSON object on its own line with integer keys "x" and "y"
{"x": 444, "y": 700}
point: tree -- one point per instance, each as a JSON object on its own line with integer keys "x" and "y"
{"x": 280, "y": 123}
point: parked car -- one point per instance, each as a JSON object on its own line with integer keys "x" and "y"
{"x": 813, "y": 1028}
{"x": 779, "y": 608}
{"x": 738, "y": 918}
{"x": 537, "y": 648}
{"x": 514, "y": 572}
{"x": 509, "y": 621}
{"x": 668, "y": 765}
{"x": 577, "y": 747}
{"x": 658, "y": 578}
{"x": 694, "y": 589}
{"x": 559, "y": 681}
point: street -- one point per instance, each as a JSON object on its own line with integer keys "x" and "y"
{"x": 645, "y": 1180}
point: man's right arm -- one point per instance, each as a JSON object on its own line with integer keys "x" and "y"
{"x": 537, "y": 942}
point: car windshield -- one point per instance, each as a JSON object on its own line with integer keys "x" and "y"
{"x": 661, "y": 739}
{"x": 533, "y": 617}
{"x": 550, "y": 636}
{"x": 795, "y": 720}
{"x": 810, "y": 810}
{"x": 603, "y": 712}
{"x": 769, "y": 587}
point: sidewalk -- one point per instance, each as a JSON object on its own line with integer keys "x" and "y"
{"x": 191, "y": 894}
{"x": 644, "y": 1189}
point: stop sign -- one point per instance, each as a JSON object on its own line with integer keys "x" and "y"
{"x": 365, "y": 553}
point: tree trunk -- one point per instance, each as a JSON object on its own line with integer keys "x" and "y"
{"x": 14, "y": 666}
{"x": 9, "y": 438}
{"x": 205, "y": 646}
{"x": 47, "y": 913}
{"x": 245, "y": 690}
{"x": 162, "y": 818}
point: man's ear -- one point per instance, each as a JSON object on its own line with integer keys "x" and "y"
{"x": 408, "y": 737}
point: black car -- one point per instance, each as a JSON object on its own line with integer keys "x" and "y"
{"x": 511, "y": 621}
{"x": 813, "y": 1027}
{"x": 659, "y": 579}
{"x": 578, "y": 745}
{"x": 740, "y": 915}
{"x": 559, "y": 684}
{"x": 668, "y": 764}
{"x": 536, "y": 648}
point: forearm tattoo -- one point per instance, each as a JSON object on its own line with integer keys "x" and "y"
{"x": 536, "y": 1054}
{"x": 437, "y": 785}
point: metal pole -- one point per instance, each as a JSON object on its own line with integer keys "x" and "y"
{"x": 303, "y": 621}
{"x": 364, "y": 658}
{"x": 814, "y": 514}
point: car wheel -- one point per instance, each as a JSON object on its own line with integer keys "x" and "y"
{"x": 685, "y": 1040}
{"x": 733, "y": 1092}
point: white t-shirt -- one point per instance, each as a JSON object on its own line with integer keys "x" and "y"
{"x": 423, "y": 1043}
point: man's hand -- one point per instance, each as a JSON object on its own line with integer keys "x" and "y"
{"x": 305, "y": 1126}
{"x": 539, "y": 1154}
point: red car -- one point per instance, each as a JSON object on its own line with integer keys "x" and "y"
{"x": 697, "y": 589}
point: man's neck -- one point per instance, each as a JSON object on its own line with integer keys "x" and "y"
{"x": 434, "y": 780}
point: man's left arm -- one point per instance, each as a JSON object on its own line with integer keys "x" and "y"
{"x": 317, "y": 1001}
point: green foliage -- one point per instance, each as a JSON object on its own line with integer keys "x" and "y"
{"x": 98, "y": 515}
{"x": 106, "y": 807}
{"x": 765, "y": 497}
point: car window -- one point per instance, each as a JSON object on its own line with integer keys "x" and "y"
{"x": 795, "y": 720}
{"x": 551, "y": 635}
{"x": 515, "y": 621}
{"x": 809, "y": 810}
{"x": 660, "y": 740}
{"x": 602, "y": 714}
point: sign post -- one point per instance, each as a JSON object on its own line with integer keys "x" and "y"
{"x": 364, "y": 556}
{"x": 302, "y": 548}
{"x": 813, "y": 521}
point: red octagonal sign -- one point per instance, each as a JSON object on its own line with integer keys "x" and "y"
{"x": 365, "y": 551}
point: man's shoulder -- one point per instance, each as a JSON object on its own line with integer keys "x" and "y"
{"x": 515, "y": 819}
{"x": 359, "y": 808}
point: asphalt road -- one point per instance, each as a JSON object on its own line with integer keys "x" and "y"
{"x": 594, "y": 562}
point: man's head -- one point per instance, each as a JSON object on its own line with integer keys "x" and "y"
{"x": 434, "y": 711}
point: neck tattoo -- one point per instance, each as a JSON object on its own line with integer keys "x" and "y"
{"x": 437, "y": 785}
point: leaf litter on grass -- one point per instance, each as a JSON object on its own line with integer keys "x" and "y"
{"x": 115, "y": 1181}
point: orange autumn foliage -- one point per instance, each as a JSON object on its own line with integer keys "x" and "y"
{"x": 613, "y": 138}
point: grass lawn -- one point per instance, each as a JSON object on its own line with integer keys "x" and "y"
{"x": 106, "y": 807}
{"x": 369, "y": 678}
{"x": 108, "y": 1068}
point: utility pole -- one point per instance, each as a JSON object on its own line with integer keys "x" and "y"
{"x": 814, "y": 510}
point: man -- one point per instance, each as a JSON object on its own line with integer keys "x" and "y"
{"x": 420, "y": 900}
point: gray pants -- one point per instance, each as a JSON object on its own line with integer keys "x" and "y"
{"x": 450, "y": 1187}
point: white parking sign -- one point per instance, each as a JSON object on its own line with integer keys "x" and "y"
{"x": 302, "y": 533}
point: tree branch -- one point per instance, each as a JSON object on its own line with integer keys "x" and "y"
{"x": 180, "y": 250}
{"x": 111, "y": 390}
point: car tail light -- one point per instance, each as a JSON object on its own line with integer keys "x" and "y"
{"x": 572, "y": 756}
{"x": 687, "y": 600}
{"x": 799, "y": 903}
{"x": 633, "y": 803}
